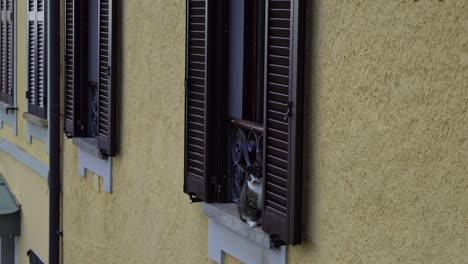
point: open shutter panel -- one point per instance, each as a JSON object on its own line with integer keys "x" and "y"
{"x": 37, "y": 87}
{"x": 74, "y": 65}
{"x": 283, "y": 121}
{"x": 107, "y": 73}
{"x": 31, "y": 44}
{"x": 9, "y": 52}
{"x": 196, "y": 176}
{"x": 41, "y": 60}
{"x": 3, "y": 39}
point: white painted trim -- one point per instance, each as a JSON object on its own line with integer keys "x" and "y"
{"x": 25, "y": 158}
{"x": 41, "y": 133}
{"x": 222, "y": 240}
{"x": 88, "y": 159}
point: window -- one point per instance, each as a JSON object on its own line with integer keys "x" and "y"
{"x": 244, "y": 105}
{"x": 36, "y": 44}
{"x": 90, "y": 72}
{"x": 7, "y": 51}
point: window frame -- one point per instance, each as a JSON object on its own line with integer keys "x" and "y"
{"x": 76, "y": 83}
{"x": 282, "y": 119}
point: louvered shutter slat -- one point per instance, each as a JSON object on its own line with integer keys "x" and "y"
{"x": 196, "y": 122}
{"x": 106, "y": 84}
{"x": 74, "y": 65}
{"x": 32, "y": 101}
{"x": 37, "y": 59}
{"x": 282, "y": 121}
{"x": 3, "y": 51}
{"x": 10, "y": 51}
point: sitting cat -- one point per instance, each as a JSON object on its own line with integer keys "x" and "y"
{"x": 251, "y": 197}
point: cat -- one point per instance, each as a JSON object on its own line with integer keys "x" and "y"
{"x": 251, "y": 197}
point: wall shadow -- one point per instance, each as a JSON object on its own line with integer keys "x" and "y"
{"x": 311, "y": 107}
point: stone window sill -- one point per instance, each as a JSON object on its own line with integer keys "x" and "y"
{"x": 35, "y": 120}
{"x": 87, "y": 144}
{"x": 89, "y": 158}
{"x": 4, "y": 106}
{"x": 225, "y": 214}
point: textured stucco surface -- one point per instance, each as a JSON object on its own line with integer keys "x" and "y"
{"x": 31, "y": 191}
{"x": 387, "y": 128}
{"x": 147, "y": 218}
{"x": 29, "y": 188}
{"x": 37, "y": 147}
{"x": 385, "y": 151}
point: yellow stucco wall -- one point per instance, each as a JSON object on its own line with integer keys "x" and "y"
{"x": 31, "y": 191}
{"x": 385, "y": 177}
{"x": 29, "y": 188}
{"x": 37, "y": 147}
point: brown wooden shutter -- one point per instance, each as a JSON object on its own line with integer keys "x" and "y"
{"x": 3, "y": 43}
{"x": 6, "y": 52}
{"x": 283, "y": 120}
{"x": 10, "y": 51}
{"x": 75, "y": 65}
{"x": 37, "y": 59}
{"x": 107, "y": 73}
{"x": 199, "y": 178}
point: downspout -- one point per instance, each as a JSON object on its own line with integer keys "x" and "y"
{"x": 53, "y": 49}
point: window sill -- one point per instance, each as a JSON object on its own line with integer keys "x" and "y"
{"x": 90, "y": 159}
{"x": 226, "y": 215}
{"x": 4, "y": 106}
{"x": 87, "y": 144}
{"x": 35, "y": 120}
{"x": 8, "y": 116}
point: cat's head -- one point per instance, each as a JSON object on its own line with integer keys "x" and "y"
{"x": 254, "y": 173}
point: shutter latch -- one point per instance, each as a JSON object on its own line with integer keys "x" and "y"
{"x": 288, "y": 111}
{"x": 186, "y": 88}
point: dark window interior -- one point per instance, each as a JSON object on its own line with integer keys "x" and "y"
{"x": 91, "y": 91}
{"x": 245, "y": 49}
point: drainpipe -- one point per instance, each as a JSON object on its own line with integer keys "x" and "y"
{"x": 53, "y": 41}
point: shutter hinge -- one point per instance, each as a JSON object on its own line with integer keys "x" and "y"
{"x": 186, "y": 88}
{"x": 193, "y": 198}
{"x": 103, "y": 154}
{"x": 108, "y": 73}
{"x": 220, "y": 188}
{"x": 27, "y": 95}
{"x": 288, "y": 111}
{"x": 275, "y": 242}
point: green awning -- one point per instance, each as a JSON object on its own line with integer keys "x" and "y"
{"x": 9, "y": 212}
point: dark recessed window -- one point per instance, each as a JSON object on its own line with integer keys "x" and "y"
{"x": 244, "y": 105}
{"x": 90, "y": 72}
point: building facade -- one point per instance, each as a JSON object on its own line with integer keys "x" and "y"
{"x": 384, "y": 145}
